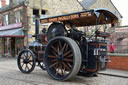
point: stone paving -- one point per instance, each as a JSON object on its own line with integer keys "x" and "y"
{"x": 112, "y": 72}
{"x": 10, "y": 75}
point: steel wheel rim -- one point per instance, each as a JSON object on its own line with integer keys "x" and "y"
{"x": 26, "y": 61}
{"x": 60, "y": 60}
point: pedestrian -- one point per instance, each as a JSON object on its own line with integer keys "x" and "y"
{"x": 112, "y": 48}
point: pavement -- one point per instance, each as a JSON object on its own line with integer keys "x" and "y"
{"x": 116, "y": 73}
{"x": 110, "y": 72}
{"x": 10, "y": 75}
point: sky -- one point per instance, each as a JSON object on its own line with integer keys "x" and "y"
{"x": 121, "y": 5}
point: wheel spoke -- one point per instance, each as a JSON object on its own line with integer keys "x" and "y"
{"x": 67, "y": 52}
{"x": 66, "y": 66}
{"x": 53, "y": 60}
{"x": 54, "y": 49}
{"x": 64, "y": 47}
{"x": 69, "y": 56}
{"x": 58, "y": 69}
{"x": 69, "y": 65}
{"x": 30, "y": 63}
{"x": 58, "y": 49}
{"x": 62, "y": 70}
{"x": 60, "y": 45}
{"x": 22, "y": 65}
{"x": 50, "y": 56}
{"x": 68, "y": 60}
{"x": 54, "y": 53}
{"x": 53, "y": 64}
{"x": 29, "y": 57}
{"x": 27, "y": 66}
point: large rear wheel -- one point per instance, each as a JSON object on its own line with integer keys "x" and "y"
{"x": 62, "y": 58}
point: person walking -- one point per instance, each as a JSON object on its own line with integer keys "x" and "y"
{"x": 112, "y": 48}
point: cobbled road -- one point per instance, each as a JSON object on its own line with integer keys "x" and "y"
{"x": 10, "y": 75}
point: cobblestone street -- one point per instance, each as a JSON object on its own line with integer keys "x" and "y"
{"x": 10, "y": 75}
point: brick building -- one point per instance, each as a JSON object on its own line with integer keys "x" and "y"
{"x": 17, "y": 20}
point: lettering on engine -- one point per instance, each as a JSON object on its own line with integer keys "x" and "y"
{"x": 98, "y": 51}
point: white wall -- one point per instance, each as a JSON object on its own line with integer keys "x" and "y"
{"x": 0, "y": 3}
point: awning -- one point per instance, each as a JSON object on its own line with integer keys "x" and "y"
{"x": 12, "y": 33}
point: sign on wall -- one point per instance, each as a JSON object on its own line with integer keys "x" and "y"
{"x": 11, "y": 26}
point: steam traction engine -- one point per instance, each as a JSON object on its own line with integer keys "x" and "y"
{"x": 67, "y": 52}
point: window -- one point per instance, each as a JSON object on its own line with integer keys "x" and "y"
{"x": 17, "y": 15}
{"x": 35, "y": 12}
{"x": 43, "y": 14}
{"x": 19, "y": 1}
{"x": 6, "y": 19}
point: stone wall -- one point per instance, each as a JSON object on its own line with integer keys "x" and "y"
{"x": 53, "y": 8}
{"x": 56, "y": 7}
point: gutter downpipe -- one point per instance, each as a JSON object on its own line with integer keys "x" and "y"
{"x": 26, "y": 31}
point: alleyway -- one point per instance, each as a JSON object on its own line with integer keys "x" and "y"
{"x": 10, "y": 75}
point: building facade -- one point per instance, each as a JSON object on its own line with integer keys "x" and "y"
{"x": 17, "y": 20}
{"x": 18, "y": 12}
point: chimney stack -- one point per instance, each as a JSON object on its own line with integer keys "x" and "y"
{"x": 3, "y": 3}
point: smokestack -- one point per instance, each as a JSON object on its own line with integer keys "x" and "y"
{"x": 37, "y": 25}
{"x": 3, "y": 3}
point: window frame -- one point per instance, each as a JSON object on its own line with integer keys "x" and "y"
{"x": 18, "y": 16}
{"x": 6, "y": 19}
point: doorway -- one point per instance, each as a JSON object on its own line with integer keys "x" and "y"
{"x": 13, "y": 47}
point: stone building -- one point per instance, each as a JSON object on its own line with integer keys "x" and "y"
{"x": 17, "y": 20}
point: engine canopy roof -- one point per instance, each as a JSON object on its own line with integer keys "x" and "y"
{"x": 85, "y": 18}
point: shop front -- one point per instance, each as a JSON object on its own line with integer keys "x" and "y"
{"x": 11, "y": 39}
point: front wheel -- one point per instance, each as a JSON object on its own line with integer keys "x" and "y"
{"x": 26, "y": 61}
{"x": 62, "y": 58}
